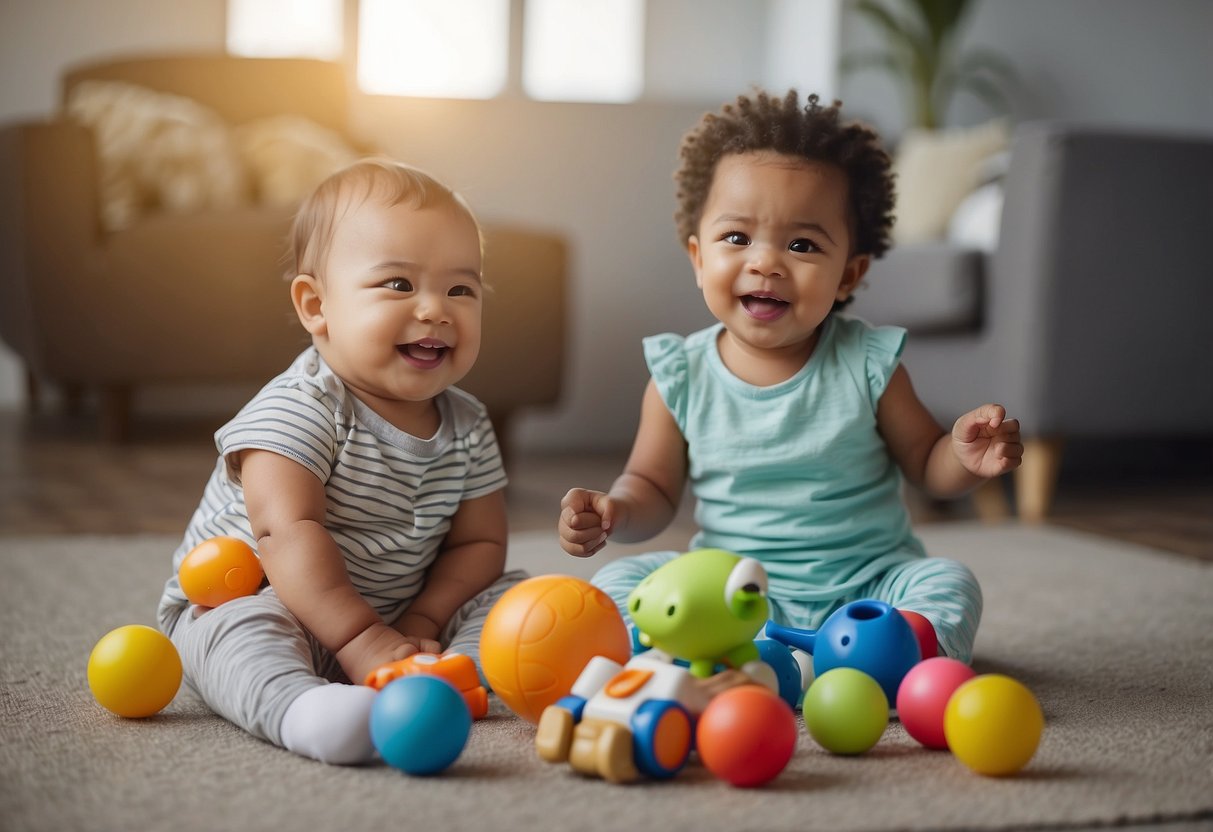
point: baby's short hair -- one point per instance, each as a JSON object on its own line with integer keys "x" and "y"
{"x": 393, "y": 182}
{"x": 763, "y": 122}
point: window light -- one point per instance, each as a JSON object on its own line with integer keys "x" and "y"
{"x": 285, "y": 28}
{"x": 434, "y": 48}
{"x": 588, "y": 50}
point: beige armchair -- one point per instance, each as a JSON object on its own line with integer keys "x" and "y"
{"x": 198, "y": 297}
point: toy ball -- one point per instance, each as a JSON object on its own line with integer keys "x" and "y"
{"x": 924, "y": 694}
{"x": 746, "y": 735}
{"x": 539, "y": 636}
{"x": 787, "y": 669}
{"x": 993, "y": 724}
{"x": 924, "y": 631}
{"x": 846, "y": 711}
{"x": 218, "y": 570}
{"x": 134, "y": 671}
{"x": 420, "y": 724}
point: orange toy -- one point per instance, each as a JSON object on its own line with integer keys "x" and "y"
{"x": 540, "y": 635}
{"x": 455, "y": 668}
{"x": 218, "y": 570}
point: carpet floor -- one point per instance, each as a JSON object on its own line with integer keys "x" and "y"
{"x": 1115, "y": 640}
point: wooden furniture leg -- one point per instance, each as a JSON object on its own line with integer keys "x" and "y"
{"x": 73, "y": 398}
{"x": 1036, "y": 478}
{"x": 115, "y": 412}
{"x": 990, "y": 501}
{"x": 33, "y": 392}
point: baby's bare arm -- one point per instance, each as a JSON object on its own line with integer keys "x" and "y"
{"x": 472, "y": 558}
{"x": 982, "y": 443}
{"x": 643, "y": 499}
{"x": 286, "y": 506}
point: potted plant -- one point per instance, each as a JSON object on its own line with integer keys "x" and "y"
{"x": 922, "y": 52}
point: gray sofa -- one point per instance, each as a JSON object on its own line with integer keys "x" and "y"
{"x": 1094, "y": 316}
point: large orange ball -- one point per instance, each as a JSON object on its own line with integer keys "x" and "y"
{"x": 540, "y": 635}
{"x": 218, "y": 570}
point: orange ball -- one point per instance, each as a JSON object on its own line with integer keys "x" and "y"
{"x": 540, "y": 635}
{"x": 218, "y": 570}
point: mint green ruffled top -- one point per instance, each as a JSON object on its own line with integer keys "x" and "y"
{"x": 795, "y": 474}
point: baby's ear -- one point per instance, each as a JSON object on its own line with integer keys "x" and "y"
{"x": 852, "y": 275}
{"x": 696, "y": 257}
{"x": 307, "y": 294}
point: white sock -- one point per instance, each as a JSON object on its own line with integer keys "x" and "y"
{"x": 331, "y": 723}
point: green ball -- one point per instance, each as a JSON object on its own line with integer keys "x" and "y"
{"x": 846, "y": 711}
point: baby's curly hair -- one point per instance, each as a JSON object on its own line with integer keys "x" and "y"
{"x": 764, "y": 122}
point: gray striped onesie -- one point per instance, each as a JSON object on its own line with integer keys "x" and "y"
{"x": 391, "y": 497}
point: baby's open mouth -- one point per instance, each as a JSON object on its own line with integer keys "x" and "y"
{"x": 764, "y": 307}
{"x": 426, "y": 353}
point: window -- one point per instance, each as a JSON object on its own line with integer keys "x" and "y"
{"x": 588, "y": 50}
{"x": 441, "y": 48}
{"x": 285, "y": 28}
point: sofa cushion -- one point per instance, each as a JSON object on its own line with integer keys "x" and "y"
{"x": 925, "y": 287}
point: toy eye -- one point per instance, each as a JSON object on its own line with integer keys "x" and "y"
{"x": 747, "y": 576}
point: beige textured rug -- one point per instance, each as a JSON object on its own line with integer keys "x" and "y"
{"x": 1115, "y": 640}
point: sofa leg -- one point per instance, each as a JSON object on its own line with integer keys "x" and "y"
{"x": 1036, "y": 478}
{"x": 33, "y": 391}
{"x": 990, "y": 501}
{"x": 115, "y": 412}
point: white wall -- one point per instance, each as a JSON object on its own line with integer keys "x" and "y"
{"x": 602, "y": 173}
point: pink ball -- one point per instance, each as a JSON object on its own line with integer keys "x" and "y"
{"x": 924, "y": 631}
{"x": 924, "y": 694}
{"x": 746, "y": 735}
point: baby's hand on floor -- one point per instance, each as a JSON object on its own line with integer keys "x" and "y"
{"x": 585, "y": 521}
{"x": 986, "y": 442}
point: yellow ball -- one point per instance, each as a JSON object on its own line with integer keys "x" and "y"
{"x": 993, "y": 724}
{"x": 134, "y": 671}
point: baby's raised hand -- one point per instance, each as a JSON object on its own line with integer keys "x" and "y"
{"x": 986, "y": 442}
{"x": 585, "y": 521}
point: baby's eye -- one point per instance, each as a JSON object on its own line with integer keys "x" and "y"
{"x": 736, "y": 238}
{"x": 802, "y": 246}
{"x": 398, "y": 284}
{"x": 462, "y": 291}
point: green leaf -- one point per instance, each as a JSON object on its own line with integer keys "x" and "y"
{"x": 940, "y": 16}
{"x": 977, "y": 61}
{"x": 859, "y": 61}
{"x": 899, "y": 33}
{"x": 987, "y": 91}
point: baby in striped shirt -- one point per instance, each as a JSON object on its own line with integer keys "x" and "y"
{"x": 370, "y": 486}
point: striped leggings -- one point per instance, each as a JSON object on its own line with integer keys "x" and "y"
{"x": 944, "y": 591}
{"x": 250, "y": 658}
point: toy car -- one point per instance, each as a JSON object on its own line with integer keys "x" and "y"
{"x": 623, "y": 721}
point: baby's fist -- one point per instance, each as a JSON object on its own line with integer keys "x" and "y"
{"x": 585, "y": 521}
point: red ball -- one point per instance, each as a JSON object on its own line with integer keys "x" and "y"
{"x": 746, "y": 735}
{"x": 924, "y": 694}
{"x": 924, "y": 631}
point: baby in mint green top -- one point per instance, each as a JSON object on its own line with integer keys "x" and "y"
{"x": 794, "y": 425}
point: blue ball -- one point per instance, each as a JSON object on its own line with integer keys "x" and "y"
{"x": 420, "y": 724}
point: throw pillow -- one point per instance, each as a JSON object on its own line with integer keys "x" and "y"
{"x": 286, "y": 156}
{"x": 157, "y": 151}
{"x": 936, "y": 170}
